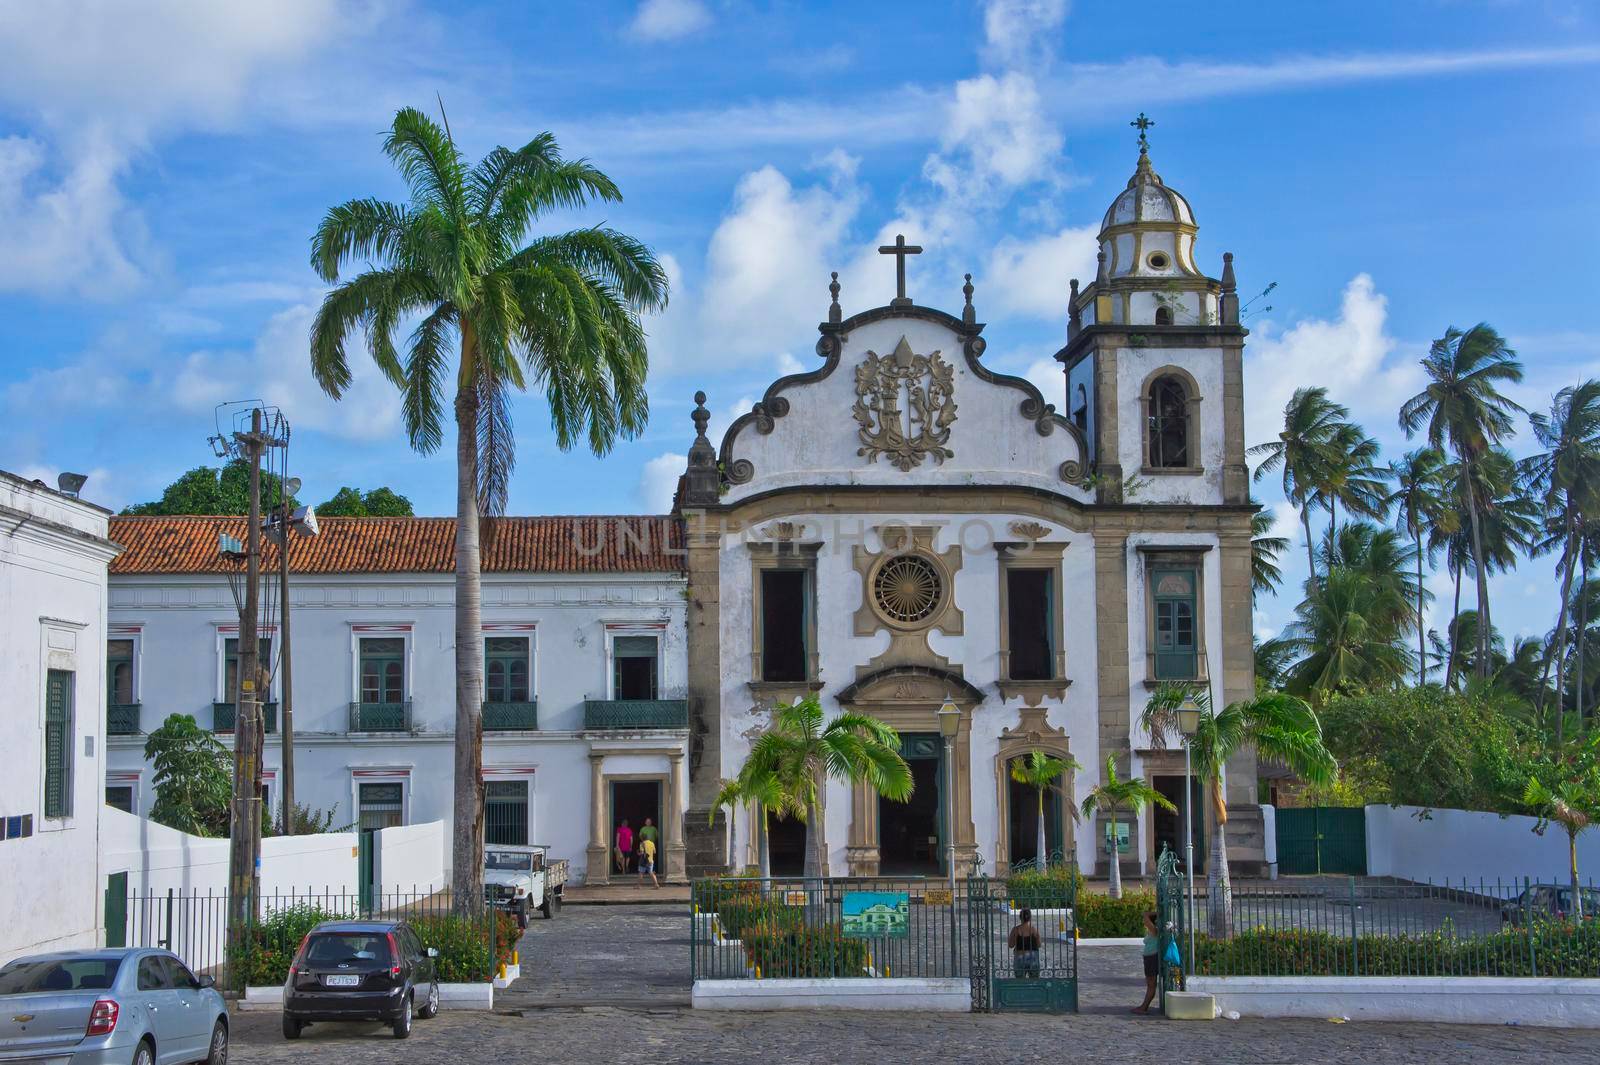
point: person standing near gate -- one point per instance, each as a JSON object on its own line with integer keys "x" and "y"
{"x": 1024, "y": 943}
{"x": 624, "y": 845}
{"x": 649, "y": 831}
{"x": 647, "y": 859}
{"x": 1152, "y": 960}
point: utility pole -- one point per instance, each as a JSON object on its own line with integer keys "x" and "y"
{"x": 287, "y": 684}
{"x": 244, "y": 844}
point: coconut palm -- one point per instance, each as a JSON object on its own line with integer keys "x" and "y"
{"x": 1041, "y": 772}
{"x": 1265, "y": 576}
{"x": 1112, "y": 796}
{"x": 1347, "y": 636}
{"x": 558, "y": 311}
{"x": 1280, "y": 727}
{"x": 1418, "y": 503}
{"x": 803, "y": 753}
{"x": 1352, "y": 476}
{"x": 1274, "y": 658}
{"x": 1461, "y": 406}
{"x": 1566, "y": 478}
{"x": 1307, "y": 446}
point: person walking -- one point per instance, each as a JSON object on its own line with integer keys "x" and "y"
{"x": 649, "y": 831}
{"x": 1024, "y": 943}
{"x": 1152, "y": 960}
{"x": 624, "y": 846}
{"x": 647, "y": 859}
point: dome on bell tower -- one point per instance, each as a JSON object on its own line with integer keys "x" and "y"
{"x": 1149, "y": 229}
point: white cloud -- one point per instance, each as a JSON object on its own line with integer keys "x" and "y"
{"x": 1047, "y": 377}
{"x": 1022, "y": 32}
{"x": 669, "y": 20}
{"x": 1353, "y": 356}
{"x": 1031, "y": 276}
{"x": 658, "y": 481}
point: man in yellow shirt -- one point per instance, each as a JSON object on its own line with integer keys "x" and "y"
{"x": 647, "y": 860}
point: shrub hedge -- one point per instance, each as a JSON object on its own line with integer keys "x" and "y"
{"x": 1549, "y": 948}
{"x": 1103, "y": 917}
{"x": 804, "y": 951}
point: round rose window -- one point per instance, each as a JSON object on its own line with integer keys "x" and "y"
{"x": 907, "y": 589}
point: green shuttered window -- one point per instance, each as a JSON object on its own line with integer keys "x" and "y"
{"x": 1177, "y": 640}
{"x": 58, "y": 743}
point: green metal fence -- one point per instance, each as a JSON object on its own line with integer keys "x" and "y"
{"x": 1356, "y": 926}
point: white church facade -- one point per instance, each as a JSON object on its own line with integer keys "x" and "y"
{"x": 898, "y": 526}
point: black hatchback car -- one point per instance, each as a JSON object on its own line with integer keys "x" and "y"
{"x": 360, "y": 970}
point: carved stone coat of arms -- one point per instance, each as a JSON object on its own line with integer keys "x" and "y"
{"x": 905, "y": 405}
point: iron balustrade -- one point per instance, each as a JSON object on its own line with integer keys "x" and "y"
{"x": 510, "y": 716}
{"x": 635, "y": 713}
{"x": 380, "y": 717}
{"x": 224, "y": 717}
{"x": 122, "y": 719}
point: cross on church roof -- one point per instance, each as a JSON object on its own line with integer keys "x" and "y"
{"x": 900, "y": 249}
{"x": 1143, "y": 123}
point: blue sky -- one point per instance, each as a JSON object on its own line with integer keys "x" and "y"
{"x": 1395, "y": 166}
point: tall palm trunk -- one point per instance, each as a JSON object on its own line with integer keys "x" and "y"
{"x": 1114, "y": 874}
{"x": 1455, "y": 619}
{"x": 1422, "y": 630}
{"x": 1311, "y": 555}
{"x": 1219, "y": 886}
{"x": 1485, "y": 626}
{"x": 816, "y": 836}
{"x": 1038, "y": 853}
{"x": 466, "y": 875}
{"x": 763, "y": 844}
{"x": 1583, "y": 629}
{"x": 1558, "y": 648}
{"x": 1572, "y": 860}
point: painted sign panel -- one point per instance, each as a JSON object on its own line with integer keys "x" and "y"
{"x": 1123, "y": 837}
{"x": 875, "y": 914}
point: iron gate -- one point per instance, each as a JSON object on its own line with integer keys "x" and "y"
{"x": 1322, "y": 839}
{"x": 1173, "y": 914}
{"x": 1003, "y": 979}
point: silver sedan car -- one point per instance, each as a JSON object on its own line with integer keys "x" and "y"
{"x": 110, "y": 1007}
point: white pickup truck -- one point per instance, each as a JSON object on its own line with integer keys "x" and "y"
{"x": 520, "y": 879}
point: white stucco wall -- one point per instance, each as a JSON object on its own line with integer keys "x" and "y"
{"x": 1473, "y": 846}
{"x": 177, "y": 621}
{"x": 410, "y": 859}
{"x": 817, "y": 442}
{"x": 53, "y": 556}
{"x": 975, "y": 652}
{"x": 1134, "y": 366}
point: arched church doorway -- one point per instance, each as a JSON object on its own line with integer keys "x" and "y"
{"x": 786, "y": 845}
{"x": 911, "y": 834}
{"x": 1022, "y": 835}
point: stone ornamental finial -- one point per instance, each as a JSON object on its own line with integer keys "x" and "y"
{"x": 1074, "y": 315}
{"x": 969, "y": 314}
{"x": 1100, "y": 271}
{"x": 1143, "y": 124}
{"x": 702, "y": 483}
{"x": 834, "y": 313}
{"x": 1228, "y": 283}
{"x": 1229, "y": 304}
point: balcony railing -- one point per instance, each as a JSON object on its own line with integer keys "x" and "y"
{"x": 635, "y": 713}
{"x": 224, "y": 716}
{"x": 122, "y": 719}
{"x": 380, "y": 717}
{"x": 510, "y": 717}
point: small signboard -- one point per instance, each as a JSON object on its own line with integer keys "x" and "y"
{"x": 1123, "y": 838}
{"x": 875, "y": 914}
{"x": 795, "y": 898}
{"x": 937, "y": 897}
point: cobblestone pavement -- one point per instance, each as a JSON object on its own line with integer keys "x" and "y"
{"x": 613, "y": 985}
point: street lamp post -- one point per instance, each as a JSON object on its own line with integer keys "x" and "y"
{"x": 1189, "y": 724}
{"x": 949, "y": 725}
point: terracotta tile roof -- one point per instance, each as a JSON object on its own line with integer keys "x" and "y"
{"x": 644, "y": 543}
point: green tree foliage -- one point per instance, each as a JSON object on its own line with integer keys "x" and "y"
{"x": 208, "y": 490}
{"x": 1427, "y": 747}
{"x": 1265, "y": 576}
{"x": 1418, "y": 503}
{"x": 1112, "y": 796}
{"x": 1309, "y": 452}
{"x": 350, "y": 502}
{"x": 193, "y": 777}
{"x": 1041, "y": 772}
{"x": 1564, "y": 788}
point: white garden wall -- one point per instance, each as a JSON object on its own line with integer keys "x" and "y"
{"x": 1472, "y": 845}
{"x": 410, "y": 858}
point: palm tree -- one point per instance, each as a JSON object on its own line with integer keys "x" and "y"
{"x": 1274, "y": 658}
{"x": 802, "y": 753}
{"x": 1040, "y": 772}
{"x": 1280, "y": 727}
{"x": 560, "y": 311}
{"x": 1112, "y": 796}
{"x": 764, "y": 791}
{"x": 1265, "y": 576}
{"x": 1418, "y": 502}
{"x": 1347, "y": 635}
{"x": 1353, "y": 477}
{"x": 1312, "y": 425}
{"x": 1566, "y": 790}
{"x": 1566, "y": 477}
{"x": 1462, "y": 405}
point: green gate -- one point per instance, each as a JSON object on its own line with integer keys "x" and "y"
{"x": 366, "y": 885}
{"x": 1004, "y": 980}
{"x": 117, "y": 910}
{"x": 1322, "y": 839}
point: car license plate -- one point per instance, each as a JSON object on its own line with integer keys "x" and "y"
{"x": 341, "y": 981}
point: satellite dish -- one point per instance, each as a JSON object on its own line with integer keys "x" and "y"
{"x": 305, "y": 521}
{"x": 70, "y": 483}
